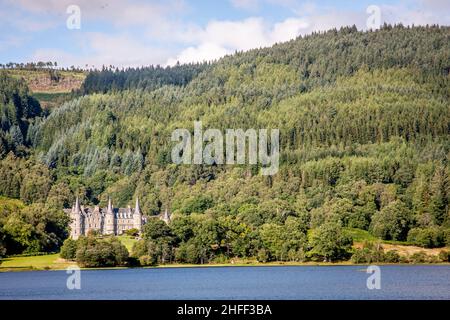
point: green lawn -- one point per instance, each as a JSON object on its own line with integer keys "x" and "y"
{"x": 50, "y": 261}
{"x": 359, "y": 235}
{"x": 127, "y": 241}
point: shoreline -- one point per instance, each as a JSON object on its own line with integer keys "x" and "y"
{"x": 225, "y": 265}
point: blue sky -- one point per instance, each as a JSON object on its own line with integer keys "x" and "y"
{"x": 138, "y": 32}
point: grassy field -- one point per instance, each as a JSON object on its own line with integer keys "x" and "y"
{"x": 45, "y": 262}
{"x": 50, "y": 261}
{"x": 127, "y": 241}
{"x": 359, "y": 235}
{"x": 54, "y": 262}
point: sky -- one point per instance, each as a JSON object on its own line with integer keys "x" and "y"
{"x": 132, "y": 33}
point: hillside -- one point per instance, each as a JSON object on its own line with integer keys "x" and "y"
{"x": 50, "y": 87}
{"x": 50, "y": 81}
{"x": 364, "y": 126}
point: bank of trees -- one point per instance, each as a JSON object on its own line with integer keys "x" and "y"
{"x": 148, "y": 78}
{"x": 30, "y": 229}
{"x": 40, "y": 65}
{"x": 36, "y": 223}
{"x": 18, "y": 109}
{"x": 91, "y": 252}
{"x": 196, "y": 239}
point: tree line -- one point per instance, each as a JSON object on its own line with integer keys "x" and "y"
{"x": 147, "y": 78}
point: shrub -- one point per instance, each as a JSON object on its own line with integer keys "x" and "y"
{"x": 262, "y": 256}
{"x": 221, "y": 258}
{"x": 444, "y": 256}
{"x": 392, "y": 256}
{"x": 374, "y": 252}
{"x": 296, "y": 255}
{"x": 433, "y": 259}
{"x": 361, "y": 256}
{"x": 446, "y": 234}
{"x": 403, "y": 259}
{"x": 418, "y": 257}
{"x": 147, "y": 260}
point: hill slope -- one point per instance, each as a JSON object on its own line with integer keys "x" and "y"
{"x": 50, "y": 87}
{"x": 50, "y": 81}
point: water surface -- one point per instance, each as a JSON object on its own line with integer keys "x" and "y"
{"x": 302, "y": 282}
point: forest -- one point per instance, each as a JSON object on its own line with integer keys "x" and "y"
{"x": 364, "y": 120}
{"x": 148, "y": 78}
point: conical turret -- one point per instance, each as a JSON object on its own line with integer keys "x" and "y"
{"x": 76, "y": 207}
{"x": 137, "y": 209}
{"x": 110, "y": 219}
{"x": 110, "y": 208}
{"x": 137, "y": 216}
{"x": 77, "y": 223}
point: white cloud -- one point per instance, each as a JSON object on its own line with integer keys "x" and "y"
{"x": 240, "y": 35}
{"x": 203, "y": 52}
{"x": 288, "y": 29}
{"x": 219, "y": 38}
